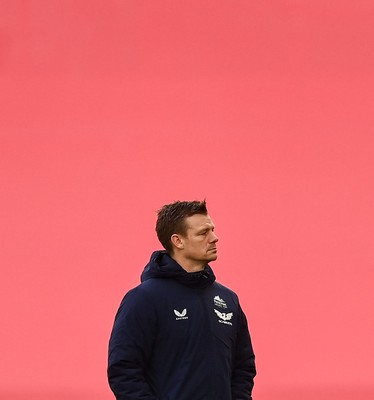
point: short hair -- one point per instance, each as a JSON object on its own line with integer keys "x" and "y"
{"x": 171, "y": 220}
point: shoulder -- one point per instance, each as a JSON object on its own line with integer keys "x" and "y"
{"x": 226, "y": 290}
{"x": 138, "y": 301}
{"x": 147, "y": 291}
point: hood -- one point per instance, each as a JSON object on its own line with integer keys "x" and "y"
{"x": 161, "y": 265}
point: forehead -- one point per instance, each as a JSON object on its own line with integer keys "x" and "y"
{"x": 199, "y": 221}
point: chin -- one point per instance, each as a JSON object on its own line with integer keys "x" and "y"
{"x": 213, "y": 257}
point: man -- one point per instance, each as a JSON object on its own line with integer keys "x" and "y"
{"x": 180, "y": 335}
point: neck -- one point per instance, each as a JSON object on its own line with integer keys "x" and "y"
{"x": 188, "y": 265}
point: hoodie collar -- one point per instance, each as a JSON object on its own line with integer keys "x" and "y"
{"x": 161, "y": 265}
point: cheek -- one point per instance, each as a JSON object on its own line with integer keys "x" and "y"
{"x": 199, "y": 245}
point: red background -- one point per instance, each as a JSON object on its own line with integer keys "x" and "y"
{"x": 109, "y": 109}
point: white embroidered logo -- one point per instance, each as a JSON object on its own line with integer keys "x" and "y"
{"x": 181, "y": 315}
{"x": 224, "y": 318}
{"x": 218, "y": 302}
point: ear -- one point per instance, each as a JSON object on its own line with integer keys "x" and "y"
{"x": 177, "y": 241}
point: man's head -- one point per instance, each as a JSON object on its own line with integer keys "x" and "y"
{"x": 186, "y": 231}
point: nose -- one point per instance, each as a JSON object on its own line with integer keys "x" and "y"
{"x": 214, "y": 238}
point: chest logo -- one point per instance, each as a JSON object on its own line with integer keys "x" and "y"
{"x": 181, "y": 315}
{"x": 218, "y": 302}
{"x": 224, "y": 318}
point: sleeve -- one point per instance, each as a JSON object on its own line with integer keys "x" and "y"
{"x": 130, "y": 348}
{"x": 244, "y": 368}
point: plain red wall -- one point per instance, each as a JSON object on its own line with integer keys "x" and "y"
{"x": 109, "y": 109}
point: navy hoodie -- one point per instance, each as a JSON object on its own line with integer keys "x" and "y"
{"x": 180, "y": 336}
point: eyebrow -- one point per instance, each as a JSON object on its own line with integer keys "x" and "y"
{"x": 206, "y": 227}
